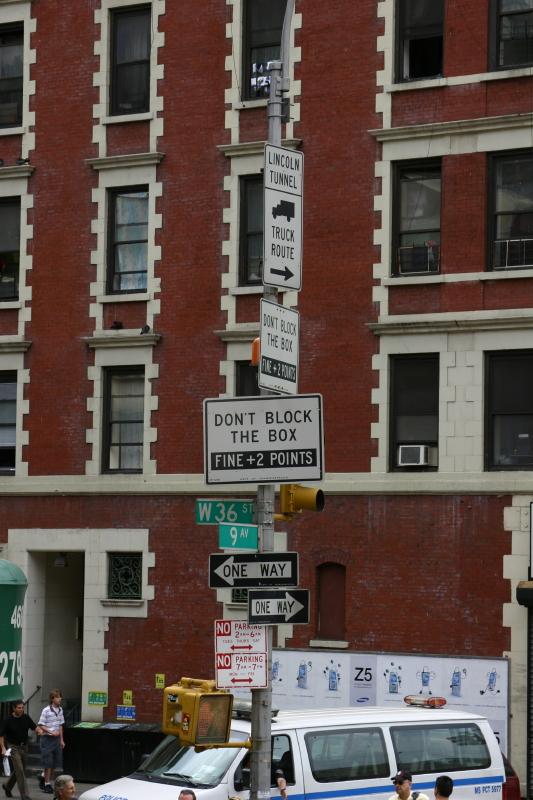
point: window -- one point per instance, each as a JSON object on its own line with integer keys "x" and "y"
{"x": 512, "y": 218}
{"x": 414, "y": 411}
{"x": 419, "y": 50}
{"x": 263, "y": 23}
{"x": 354, "y": 754}
{"x": 124, "y": 576}
{"x": 128, "y": 240}
{"x": 130, "y": 60}
{"x": 8, "y": 407}
{"x": 510, "y": 410}
{"x": 514, "y": 32}
{"x": 123, "y": 419}
{"x": 9, "y": 248}
{"x": 331, "y": 582}
{"x": 281, "y": 758}
{"x": 440, "y": 748}
{"x": 251, "y": 231}
{"x": 417, "y": 219}
{"x": 246, "y": 379}
{"x": 11, "y": 63}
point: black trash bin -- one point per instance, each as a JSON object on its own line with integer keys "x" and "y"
{"x": 108, "y": 751}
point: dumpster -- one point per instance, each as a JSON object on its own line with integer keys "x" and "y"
{"x": 13, "y": 586}
{"x": 107, "y": 751}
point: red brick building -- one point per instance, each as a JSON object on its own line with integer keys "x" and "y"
{"x": 131, "y": 139}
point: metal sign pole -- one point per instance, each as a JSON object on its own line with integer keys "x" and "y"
{"x": 262, "y": 698}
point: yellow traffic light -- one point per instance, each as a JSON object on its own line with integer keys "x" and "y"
{"x": 294, "y": 498}
{"x": 196, "y": 712}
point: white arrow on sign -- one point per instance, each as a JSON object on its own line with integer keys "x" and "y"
{"x": 229, "y": 570}
{"x": 289, "y": 606}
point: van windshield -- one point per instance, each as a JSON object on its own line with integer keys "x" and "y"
{"x": 176, "y": 763}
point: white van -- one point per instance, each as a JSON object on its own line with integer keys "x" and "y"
{"x": 331, "y": 754}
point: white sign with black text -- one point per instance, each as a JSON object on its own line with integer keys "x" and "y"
{"x": 283, "y": 211}
{"x": 280, "y": 341}
{"x": 263, "y": 439}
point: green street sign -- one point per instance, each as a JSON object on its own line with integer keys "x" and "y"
{"x": 216, "y": 512}
{"x": 241, "y": 537}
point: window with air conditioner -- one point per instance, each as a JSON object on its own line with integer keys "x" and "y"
{"x": 417, "y": 200}
{"x": 512, "y": 33}
{"x": 509, "y": 410}
{"x": 512, "y": 212}
{"x": 419, "y": 39}
{"x": 414, "y": 412}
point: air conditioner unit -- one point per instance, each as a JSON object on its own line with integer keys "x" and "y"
{"x": 509, "y": 253}
{"x": 419, "y": 258}
{"x": 413, "y": 455}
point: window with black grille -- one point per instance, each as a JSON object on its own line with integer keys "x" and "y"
{"x": 124, "y": 576}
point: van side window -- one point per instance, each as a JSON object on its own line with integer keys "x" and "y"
{"x": 440, "y": 748}
{"x": 281, "y": 758}
{"x": 348, "y": 755}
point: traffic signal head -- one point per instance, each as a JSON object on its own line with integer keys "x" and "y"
{"x": 195, "y": 712}
{"x": 294, "y": 498}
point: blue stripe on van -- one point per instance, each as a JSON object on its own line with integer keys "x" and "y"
{"x": 388, "y": 789}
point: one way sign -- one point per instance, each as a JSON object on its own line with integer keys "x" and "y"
{"x": 278, "y": 606}
{"x": 253, "y": 569}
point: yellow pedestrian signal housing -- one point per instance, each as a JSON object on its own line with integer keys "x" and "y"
{"x": 294, "y": 498}
{"x": 196, "y": 712}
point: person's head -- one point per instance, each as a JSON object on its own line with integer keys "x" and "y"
{"x": 64, "y": 788}
{"x": 443, "y": 786}
{"x": 402, "y": 783}
{"x": 187, "y": 794}
{"x": 55, "y": 697}
{"x": 17, "y": 708}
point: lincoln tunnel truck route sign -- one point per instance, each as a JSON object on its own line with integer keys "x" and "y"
{"x": 282, "y": 237}
{"x": 263, "y": 439}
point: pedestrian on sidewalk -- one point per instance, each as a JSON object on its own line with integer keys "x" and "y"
{"x": 403, "y": 781}
{"x": 64, "y": 788}
{"x": 52, "y": 742}
{"x": 14, "y": 737}
{"x": 443, "y": 787}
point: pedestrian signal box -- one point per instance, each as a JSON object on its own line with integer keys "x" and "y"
{"x": 196, "y": 712}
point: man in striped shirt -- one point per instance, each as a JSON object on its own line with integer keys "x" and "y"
{"x": 52, "y": 742}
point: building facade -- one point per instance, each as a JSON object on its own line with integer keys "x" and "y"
{"x": 131, "y": 175}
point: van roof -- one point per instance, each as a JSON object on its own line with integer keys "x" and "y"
{"x": 369, "y": 715}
